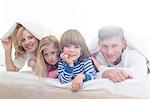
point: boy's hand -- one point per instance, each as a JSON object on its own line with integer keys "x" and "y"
{"x": 78, "y": 82}
{"x": 66, "y": 58}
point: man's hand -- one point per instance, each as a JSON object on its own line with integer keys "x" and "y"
{"x": 116, "y": 75}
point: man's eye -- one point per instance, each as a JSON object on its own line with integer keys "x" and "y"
{"x": 114, "y": 46}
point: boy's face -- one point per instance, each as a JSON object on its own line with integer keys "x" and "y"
{"x": 50, "y": 55}
{"x": 73, "y": 51}
{"x": 111, "y": 48}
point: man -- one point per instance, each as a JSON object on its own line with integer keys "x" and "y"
{"x": 115, "y": 59}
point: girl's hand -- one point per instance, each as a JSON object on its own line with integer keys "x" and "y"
{"x": 7, "y": 44}
{"x": 78, "y": 82}
{"x": 66, "y": 58}
{"x": 53, "y": 74}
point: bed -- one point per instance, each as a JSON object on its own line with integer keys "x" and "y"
{"x": 15, "y": 85}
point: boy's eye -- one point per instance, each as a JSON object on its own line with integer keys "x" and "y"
{"x": 67, "y": 45}
{"x": 78, "y": 46}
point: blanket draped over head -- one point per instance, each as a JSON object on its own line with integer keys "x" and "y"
{"x": 35, "y": 29}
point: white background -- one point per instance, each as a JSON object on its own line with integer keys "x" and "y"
{"x": 85, "y": 15}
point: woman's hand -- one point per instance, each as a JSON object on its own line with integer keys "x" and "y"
{"x": 31, "y": 63}
{"x": 7, "y": 44}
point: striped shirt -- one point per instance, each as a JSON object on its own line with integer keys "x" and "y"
{"x": 67, "y": 73}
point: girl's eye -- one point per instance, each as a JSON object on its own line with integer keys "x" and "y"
{"x": 45, "y": 54}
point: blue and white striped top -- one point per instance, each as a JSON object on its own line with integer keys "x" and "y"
{"x": 67, "y": 73}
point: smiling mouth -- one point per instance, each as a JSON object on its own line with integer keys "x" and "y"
{"x": 109, "y": 57}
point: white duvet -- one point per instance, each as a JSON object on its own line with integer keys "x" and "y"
{"x": 132, "y": 87}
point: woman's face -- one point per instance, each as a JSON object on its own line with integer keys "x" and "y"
{"x": 111, "y": 48}
{"x": 28, "y": 41}
{"x": 50, "y": 55}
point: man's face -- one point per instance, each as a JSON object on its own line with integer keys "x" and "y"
{"x": 111, "y": 48}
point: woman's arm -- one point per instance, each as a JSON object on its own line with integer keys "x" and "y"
{"x": 7, "y": 44}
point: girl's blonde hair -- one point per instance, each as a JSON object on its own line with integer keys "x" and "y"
{"x": 41, "y": 68}
{"x": 73, "y": 36}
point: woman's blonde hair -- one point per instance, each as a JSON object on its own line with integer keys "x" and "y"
{"x": 16, "y": 38}
{"x": 41, "y": 68}
{"x": 73, "y": 36}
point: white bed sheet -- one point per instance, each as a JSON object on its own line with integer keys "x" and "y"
{"x": 136, "y": 88}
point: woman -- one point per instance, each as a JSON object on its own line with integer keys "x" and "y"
{"x": 25, "y": 37}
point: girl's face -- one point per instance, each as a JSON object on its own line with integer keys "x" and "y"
{"x": 50, "y": 55}
{"x": 28, "y": 41}
{"x": 112, "y": 48}
{"x": 74, "y": 51}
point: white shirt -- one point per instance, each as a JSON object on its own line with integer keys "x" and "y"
{"x": 132, "y": 62}
{"x": 21, "y": 62}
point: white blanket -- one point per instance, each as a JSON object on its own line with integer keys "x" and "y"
{"x": 138, "y": 87}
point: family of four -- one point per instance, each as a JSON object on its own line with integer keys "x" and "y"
{"x": 69, "y": 58}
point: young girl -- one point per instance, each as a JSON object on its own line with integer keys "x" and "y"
{"x": 75, "y": 64}
{"x": 47, "y": 57}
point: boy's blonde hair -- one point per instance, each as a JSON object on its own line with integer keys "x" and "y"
{"x": 73, "y": 36}
{"x": 41, "y": 68}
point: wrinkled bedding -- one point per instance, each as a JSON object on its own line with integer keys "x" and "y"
{"x": 25, "y": 85}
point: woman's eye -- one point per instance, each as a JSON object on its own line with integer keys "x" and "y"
{"x": 30, "y": 37}
{"x": 22, "y": 40}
